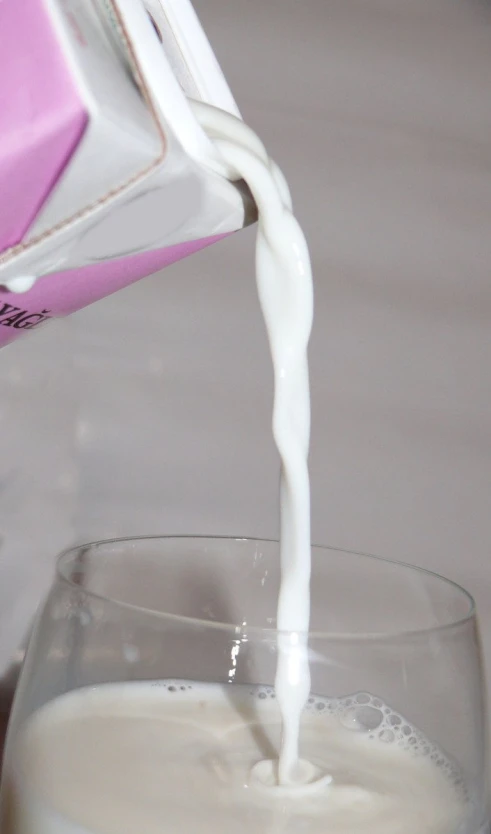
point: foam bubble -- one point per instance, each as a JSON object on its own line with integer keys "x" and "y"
{"x": 369, "y": 714}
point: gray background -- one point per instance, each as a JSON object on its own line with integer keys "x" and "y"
{"x": 150, "y": 412}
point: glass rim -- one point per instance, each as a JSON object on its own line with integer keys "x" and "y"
{"x": 384, "y": 636}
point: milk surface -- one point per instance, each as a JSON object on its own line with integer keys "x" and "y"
{"x": 177, "y": 757}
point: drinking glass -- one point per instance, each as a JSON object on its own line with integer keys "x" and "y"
{"x": 203, "y": 609}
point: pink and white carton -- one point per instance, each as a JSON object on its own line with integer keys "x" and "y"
{"x": 105, "y": 174}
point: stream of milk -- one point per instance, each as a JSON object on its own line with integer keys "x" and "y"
{"x": 284, "y": 282}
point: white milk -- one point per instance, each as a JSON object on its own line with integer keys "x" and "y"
{"x": 284, "y": 281}
{"x": 178, "y": 758}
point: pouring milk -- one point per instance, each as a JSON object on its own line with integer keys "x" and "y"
{"x": 159, "y": 757}
{"x": 284, "y": 282}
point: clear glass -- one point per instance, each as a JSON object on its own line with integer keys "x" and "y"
{"x": 203, "y": 609}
